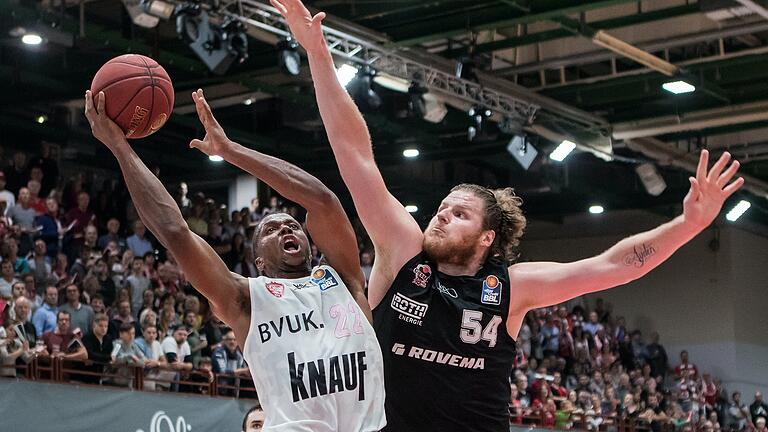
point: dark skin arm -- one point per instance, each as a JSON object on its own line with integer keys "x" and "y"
{"x": 226, "y": 291}
{"x": 327, "y": 222}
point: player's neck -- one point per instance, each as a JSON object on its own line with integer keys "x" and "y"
{"x": 469, "y": 268}
{"x": 287, "y": 272}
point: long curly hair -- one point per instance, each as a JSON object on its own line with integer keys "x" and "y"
{"x": 503, "y": 215}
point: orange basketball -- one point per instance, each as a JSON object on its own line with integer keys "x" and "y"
{"x": 138, "y": 93}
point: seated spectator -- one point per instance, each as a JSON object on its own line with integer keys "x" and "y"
{"x": 196, "y": 340}
{"x": 25, "y": 330}
{"x": 758, "y": 409}
{"x": 228, "y": 359}
{"x": 125, "y": 351}
{"x": 137, "y": 283}
{"x": 51, "y": 229}
{"x": 738, "y": 412}
{"x": 138, "y": 243}
{"x": 123, "y": 316}
{"x": 11, "y": 349}
{"x": 176, "y": 349}
{"x": 7, "y": 279}
{"x": 150, "y": 268}
{"x": 80, "y": 217}
{"x": 593, "y": 325}
{"x": 515, "y": 407}
{"x": 44, "y": 318}
{"x": 98, "y": 346}
{"x": 35, "y": 201}
{"x": 99, "y": 276}
{"x": 60, "y": 270}
{"x": 18, "y": 290}
{"x": 113, "y": 229}
{"x": 23, "y": 216}
{"x": 152, "y": 350}
{"x": 82, "y": 315}
{"x": 203, "y": 374}
{"x": 6, "y": 195}
{"x": 40, "y": 264}
{"x": 760, "y": 425}
{"x": 654, "y": 414}
{"x": 62, "y": 342}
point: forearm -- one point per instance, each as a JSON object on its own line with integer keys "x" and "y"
{"x": 345, "y": 126}
{"x": 287, "y": 179}
{"x": 153, "y": 203}
{"x": 635, "y": 256}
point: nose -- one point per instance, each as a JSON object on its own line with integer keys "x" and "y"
{"x": 443, "y": 216}
{"x": 285, "y": 229}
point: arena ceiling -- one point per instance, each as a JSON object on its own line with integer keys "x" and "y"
{"x": 553, "y": 54}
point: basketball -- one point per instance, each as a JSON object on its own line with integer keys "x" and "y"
{"x": 138, "y": 91}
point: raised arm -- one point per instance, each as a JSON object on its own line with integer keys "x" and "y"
{"x": 539, "y": 284}
{"x": 395, "y": 235}
{"x": 327, "y": 222}
{"x": 226, "y": 291}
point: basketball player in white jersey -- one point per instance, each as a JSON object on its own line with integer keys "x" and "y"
{"x": 305, "y": 332}
{"x": 447, "y": 303}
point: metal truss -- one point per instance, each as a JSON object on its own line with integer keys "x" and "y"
{"x": 395, "y": 62}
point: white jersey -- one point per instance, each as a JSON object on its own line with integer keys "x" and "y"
{"x": 313, "y": 356}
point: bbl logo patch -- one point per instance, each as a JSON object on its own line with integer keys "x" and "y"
{"x": 422, "y": 272}
{"x": 275, "y": 288}
{"x": 491, "y": 291}
{"x": 324, "y": 279}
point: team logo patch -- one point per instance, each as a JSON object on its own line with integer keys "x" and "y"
{"x": 422, "y": 272}
{"x": 324, "y": 279}
{"x": 491, "y": 291}
{"x": 275, "y": 288}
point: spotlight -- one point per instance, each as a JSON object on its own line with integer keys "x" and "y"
{"x": 738, "y": 210}
{"x": 678, "y": 87}
{"x": 215, "y": 158}
{"x": 248, "y": 101}
{"x": 652, "y": 181}
{"x": 288, "y": 56}
{"x": 361, "y": 91}
{"x": 158, "y": 8}
{"x": 596, "y": 209}
{"x": 411, "y": 153}
{"x": 523, "y": 151}
{"x": 217, "y": 46}
{"x": 477, "y": 116}
{"x": 345, "y": 74}
{"x": 411, "y": 208}
{"x": 562, "y": 151}
{"x": 31, "y": 39}
{"x": 41, "y": 118}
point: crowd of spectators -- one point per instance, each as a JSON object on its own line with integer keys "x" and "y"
{"x": 76, "y": 284}
{"x": 585, "y": 368}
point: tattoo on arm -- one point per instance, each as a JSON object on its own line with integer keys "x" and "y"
{"x": 639, "y": 255}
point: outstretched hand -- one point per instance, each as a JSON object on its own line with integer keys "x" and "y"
{"x": 215, "y": 141}
{"x": 102, "y": 127}
{"x": 710, "y": 190}
{"x": 306, "y": 29}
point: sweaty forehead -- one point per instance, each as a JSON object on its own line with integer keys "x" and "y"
{"x": 277, "y": 219}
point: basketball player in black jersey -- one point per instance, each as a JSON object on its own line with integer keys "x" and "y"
{"x": 447, "y": 304}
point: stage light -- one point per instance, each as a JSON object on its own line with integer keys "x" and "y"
{"x": 41, "y": 118}
{"x": 596, "y": 209}
{"x": 411, "y": 153}
{"x": 31, "y": 39}
{"x": 215, "y": 158}
{"x": 477, "y": 116}
{"x": 738, "y": 210}
{"x": 562, "y": 151}
{"x": 678, "y": 87}
{"x": 345, "y": 74}
{"x": 522, "y": 150}
{"x": 361, "y": 91}
{"x": 411, "y": 208}
{"x": 288, "y": 56}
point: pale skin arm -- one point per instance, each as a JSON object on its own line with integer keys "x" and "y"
{"x": 226, "y": 291}
{"x": 395, "y": 234}
{"x": 327, "y": 222}
{"x": 540, "y": 284}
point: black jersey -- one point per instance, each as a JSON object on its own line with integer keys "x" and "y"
{"x": 447, "y": 353}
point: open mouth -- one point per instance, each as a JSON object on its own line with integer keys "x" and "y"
{"x": 291, "y": 245}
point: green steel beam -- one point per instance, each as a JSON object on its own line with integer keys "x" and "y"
{"x": 560, "y": 33}
{"x": 541, "y": 10}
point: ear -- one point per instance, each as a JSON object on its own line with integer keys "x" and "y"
{"x": 259, "y": 261}
{"x": 487, "y": 237}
